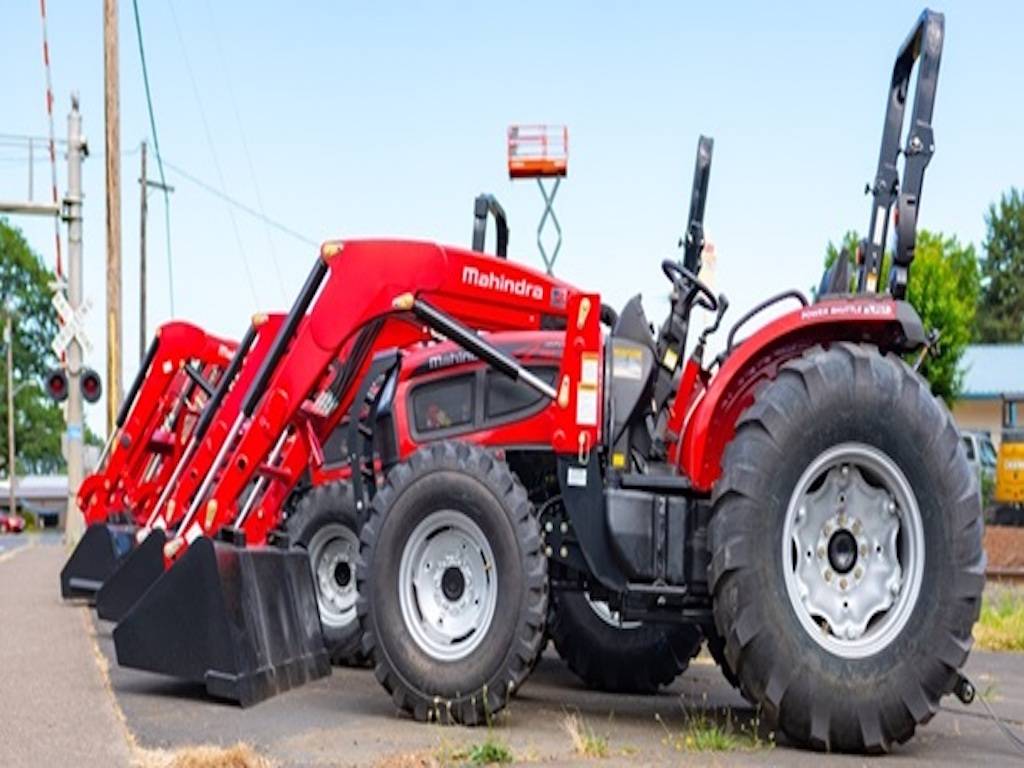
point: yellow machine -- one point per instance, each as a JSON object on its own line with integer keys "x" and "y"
{"x": 1009, "y": 488}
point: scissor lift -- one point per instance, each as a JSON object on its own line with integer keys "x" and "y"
{"x": 541, "y": 152}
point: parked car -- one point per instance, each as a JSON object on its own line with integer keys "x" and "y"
{"x": 11, "y": 523}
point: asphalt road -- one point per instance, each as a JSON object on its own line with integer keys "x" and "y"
{"x": 348, "y": 719}
{"x": 62, "y": 706}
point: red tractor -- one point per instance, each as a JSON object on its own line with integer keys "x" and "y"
{"x": 802, "y": 497}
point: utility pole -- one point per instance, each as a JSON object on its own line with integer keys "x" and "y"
{"x": 112, "y": 119}
{"x": 143, "y": 194}
{"x": 9, "y": 340}
{"x": 145, "y": 184}
{"x": 74, "y": 524}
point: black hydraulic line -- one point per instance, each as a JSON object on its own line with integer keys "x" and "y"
{"x": 483, "y": 205}
{"x": 225, "y": 382}
{"x": 129, "y": 399}
{"x": 925, "y": 43}
{"x": 452, "y": 329}
{"x": 200, "y": 382}
{"x": 284, "y": 336}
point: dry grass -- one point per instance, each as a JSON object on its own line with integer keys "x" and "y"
{"x": 238, "y": 756}
{"x": 1001, "y": 624}
{"x": 585, "y": 742}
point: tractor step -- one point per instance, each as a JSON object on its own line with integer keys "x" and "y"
{"x": 132, "y": 577}
{"x": 95, "y": 558}
{"x": 244, "y": 622}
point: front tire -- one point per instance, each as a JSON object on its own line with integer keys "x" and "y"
{"x": 452, "y": 584}
{"x": 326, "y": 524}
{"x": 847, "y": 564}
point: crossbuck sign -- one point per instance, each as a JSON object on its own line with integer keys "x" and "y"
{"x": 72, "y": 325}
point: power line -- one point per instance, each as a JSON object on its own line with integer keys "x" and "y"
{"x": 159, "y": 157}
{"x": 245, "y": 145}
{"x": 224, "y": 196}
{"x": 213, "y": 150}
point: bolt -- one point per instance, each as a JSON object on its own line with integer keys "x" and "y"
{"x": 842, "y": 583}
{"x": 891, "y": 507}
{"x": 548, "y": 551}
{"x": 863, "y": 550}
{"x": 549, "y": 526}
{"x": 842, "y": 519}
{"x": 800, "y": 514}
{"x": 858, "y": 572}
{"x": 845, "y": 471}
{"x": 661, "y": 600}
{"x": 828, "y": 575}
{"x": 828, "y": 529}
{"x": 821, "y": 552}
{"x": 564, "y": 527}
{"x": 856, "y": 527}
{"x": 851, "y": 633}
{"x": 563, "y": 552}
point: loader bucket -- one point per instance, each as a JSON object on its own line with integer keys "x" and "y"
{"x": 94, "y": 559}
{"x": 243, "y": 622}
{"x": 132, "y": 577}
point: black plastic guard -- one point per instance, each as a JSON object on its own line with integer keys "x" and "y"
{"x": 133, "y": 576}
{"x": 244, "y": 622}
{"x": 94, "y": 559}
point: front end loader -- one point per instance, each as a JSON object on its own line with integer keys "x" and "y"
{"x": 180, "y": 369}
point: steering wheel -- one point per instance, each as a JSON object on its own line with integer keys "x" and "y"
{"x": 689, "y": 285}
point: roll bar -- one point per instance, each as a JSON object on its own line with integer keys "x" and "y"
{"x": 693, "y": 243}
{"x": 483, "y": 205}
{"x": 925, "y": 43}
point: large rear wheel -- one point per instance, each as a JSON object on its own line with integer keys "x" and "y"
{"x": 452, "y": 584}
{"x": 847, "y": 564}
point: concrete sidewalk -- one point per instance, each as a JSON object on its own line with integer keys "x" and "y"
{"x": 56, "y": 708}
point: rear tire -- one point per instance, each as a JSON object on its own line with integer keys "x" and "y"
{"x": 326, "y": 524}
{"x": 899, "y": 514}
{"x": 452, "y": 584}
{"x": 618, "y": 657}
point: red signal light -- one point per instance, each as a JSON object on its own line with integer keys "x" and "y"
{"x": 56, "y": 385}
{"x": 91, "y": 386}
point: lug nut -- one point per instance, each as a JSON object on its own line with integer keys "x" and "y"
{"x": 858, "y": 572}
{"x": 842, "y": 583}
{"x": 855, "y": 527}
{"x": 563, "y": 552}
{"x": 548, "y": 551}
{"x": 863, "y": 550}
{"x": 821, "y": 552}
{"x": 549, "y": 526}
{"x": 564, "y": 527}
{"x": 828, "y": 575}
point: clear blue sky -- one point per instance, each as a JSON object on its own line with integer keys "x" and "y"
{"x": 387, "y": 118}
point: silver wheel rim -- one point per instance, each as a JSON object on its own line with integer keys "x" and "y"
{"x": 332, "y": 556}
{"x": 608, "y": 616}
{"x": 447, "y": 585}
{"x": 853, "y": 550}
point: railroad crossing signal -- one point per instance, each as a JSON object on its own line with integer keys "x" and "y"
{"x": 72, "y": 325}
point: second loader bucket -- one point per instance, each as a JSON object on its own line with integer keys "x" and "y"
{"x": 132, "y": 577}
{"x": 244, "y": 622}
{"x": 94, "y": 559}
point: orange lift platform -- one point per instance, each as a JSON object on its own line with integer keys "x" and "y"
{"x": 541, "y": 152}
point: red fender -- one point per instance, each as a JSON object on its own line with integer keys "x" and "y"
{"x": 880, "y": 320}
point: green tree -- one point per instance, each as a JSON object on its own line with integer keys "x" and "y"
{"x": 25, "y": 293}
{"x": 943, "y": 288}
{"x": 1001, "y": 309}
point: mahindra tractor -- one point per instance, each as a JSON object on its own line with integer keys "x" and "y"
{"x": 801, "y": 497}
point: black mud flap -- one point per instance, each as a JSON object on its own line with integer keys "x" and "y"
{"x": 94, "y": 559}
{"x": 243, "y": 622}
{"x": 132, "y": 577}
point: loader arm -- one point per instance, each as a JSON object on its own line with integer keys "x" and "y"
{"x": 339, "y": 303}
{"x": 201, "y": 445}
{"x": 162, "y": 382}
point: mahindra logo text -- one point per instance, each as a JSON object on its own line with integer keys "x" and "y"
{"x": 494, "y": 281}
